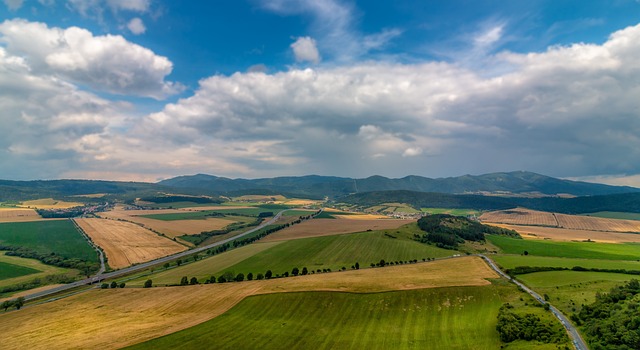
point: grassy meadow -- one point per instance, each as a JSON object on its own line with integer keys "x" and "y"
{"x": 8, "y": 271}
{"x": 441, "y": 318}
{"x": 582, "y": 250}
{"x": 511, "y": 261}
{"x": 45, "y": 237}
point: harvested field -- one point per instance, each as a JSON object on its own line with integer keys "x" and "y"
{"x": 125, "y": 243}
{"x": 18, "y": 214}
{"x": 578, "y": 222}
{"x": 521, "y": 216}
{"x": 118, "y": 317}
{"x": 168, "y": 228}
{"x": 327, "y": 227}
{"x": 563, "y": 234}
{"x": 50, "y": 203}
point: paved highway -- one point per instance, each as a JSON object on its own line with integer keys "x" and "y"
{"x": 577, "y": 340}
{"x": 102, "y": 276}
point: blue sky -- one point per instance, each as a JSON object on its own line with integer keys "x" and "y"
{"x": 148, "y": 89}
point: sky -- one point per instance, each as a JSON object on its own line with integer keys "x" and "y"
{"x": 143, "y": 90}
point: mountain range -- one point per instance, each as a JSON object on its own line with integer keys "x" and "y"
{"x": 517, "y": 183}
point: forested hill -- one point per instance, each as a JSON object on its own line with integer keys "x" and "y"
{"x": 519, "y": 182}
{"x": 626, "y": 202}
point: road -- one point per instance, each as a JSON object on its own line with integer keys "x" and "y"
{"x": 577, "y": 340}
{"x": 102, "y": 276}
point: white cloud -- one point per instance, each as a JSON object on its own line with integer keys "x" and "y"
{"x": 569, "y": 110}
{"x": 129, "y": 5}
{"x": 412, "y": 152}
{"x": 305, "y": 50}
{"x": 13, "y": 4}
{"x": 108, "y": 63}
{"x": 136, "y": 26}
{"x": 332, "y": 26}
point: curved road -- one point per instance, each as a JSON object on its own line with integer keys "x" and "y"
{"x": 577, "y": 340}
{"x": 101, "y": 276}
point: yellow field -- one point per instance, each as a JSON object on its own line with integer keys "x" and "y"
{"x": 563, "y": 234}
{"x": 50, "y": 203}
{"x": 125, "y": 243}
{"x": 326, "y": 227}
{"x": 116, "y": 318}
{"x": 168, "y": 228}
{"x": 18, "y": 215}
{"x": 521, "y": 216}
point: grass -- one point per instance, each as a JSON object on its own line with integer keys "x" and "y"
{"x": 203, "y": 268}
{"x": 8, "y": 271}
{"x": 119, "y": 317}
{"x": 45, "y": 237}
{"x": 335, "y": 252}
{"x": 454, "y": 212}
{"x": 583, "y": 250}
{"x": 42, "y": 270}
{"x": 443, "y": 318}
{"x": 570, "y": 290}
{"x": 187, "y": 215}
{"x": 511, "y": 261}
{"x": 294, "y": 212}
{"x": 615, "y": 215}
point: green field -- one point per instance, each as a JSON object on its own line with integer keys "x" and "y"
{"x": 335, "y": 252}
{"x": 583, "y": 250}
{"x": 569, "y": 290}
{"x": 203, "y": 269}
{"x": 454, "y": 212}
{"x": 444, "y": 318}
{"x": 45, "y": 237}
{"x": 511, "y": 261}
{"x": 615, "y": 215}
{"x": 187, "y": 215}
{"x": 12, "y": 271}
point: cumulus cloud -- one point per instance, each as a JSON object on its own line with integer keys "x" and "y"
{"x": 108, "y": 63}
{"x": 136, "y": 26}
{"x": 129, "y": 5}
{"x": 305, "y": 50}
{"x": 13, "y": 4}
{"x": 570, "y": 110}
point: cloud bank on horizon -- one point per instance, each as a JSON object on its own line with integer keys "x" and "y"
{"x": 105, "y": 91}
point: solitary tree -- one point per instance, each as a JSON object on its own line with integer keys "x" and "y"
{"x": 6, "y": 304}
{"x": 18, "y": 303}
{"x": 193, "y": 281}
{"x": 114, "y": 284}
{"x": 221, "y": 279}
{"x": 295, "y": 271}
{"x": 184, "y": 281}
{"x": 249, "y": 276}
{"x": 122, "y": 284}
{"x": 179, "y": 262}
{"x": 357, "y": 266}
{"x": 148, "y": 284}
{"x": 166, "y": 265}
{"x": 104, "y": 286}
{"x": 268, "y": 274}
{"x": 239, "y": 277}
{"x": 260, "y": 276}
{"x": 212, "y": 279}
{"x": 305, "y": 271}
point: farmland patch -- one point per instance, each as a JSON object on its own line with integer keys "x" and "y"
{"x": 126, "y": 243}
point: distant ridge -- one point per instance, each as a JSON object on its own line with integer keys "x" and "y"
{"x": 520, "y": 183}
